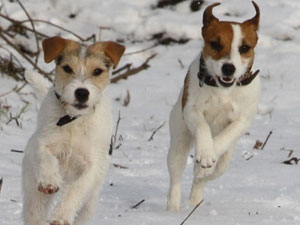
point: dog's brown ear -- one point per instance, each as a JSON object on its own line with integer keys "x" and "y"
{"x": 255, "y": 20}
{"x": 208, "y": 16}
{"x": 53, "y": 47}
{"x": 114, "y": 51}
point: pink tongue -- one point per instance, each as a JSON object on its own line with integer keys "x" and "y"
{"x": 227, "y": 79}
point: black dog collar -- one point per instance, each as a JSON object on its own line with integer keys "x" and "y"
{"x": 65, "y": 119}
{"x": 204, "y": 77}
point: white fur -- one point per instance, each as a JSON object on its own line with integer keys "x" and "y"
{"x": 213, "y": 119}
{"x": 214, "y": 67}
{"x": 74, "y": 157}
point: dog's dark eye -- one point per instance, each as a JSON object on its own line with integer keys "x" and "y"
{"x": 244, "y": 49}
{"x": 216, "y": 45}
{"x": 67, "y": 69}
{"x": 97, "y": 72}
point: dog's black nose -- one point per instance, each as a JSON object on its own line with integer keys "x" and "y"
{"x": 228, "y": 69}
{"x": 82, "y": 95}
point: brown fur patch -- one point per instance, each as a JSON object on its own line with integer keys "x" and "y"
{"x": 221, "y": 32}
{"x": 250, "y": 38}
{"x": 185, "y": 93}
{"x": 113, "y": 50}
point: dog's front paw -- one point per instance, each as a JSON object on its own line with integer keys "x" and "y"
{"x": 206, "y": 160}
{"x": 48, "y": 189}
{"x": 59, "y": 222}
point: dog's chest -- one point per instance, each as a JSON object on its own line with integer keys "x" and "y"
{"x": 219, "y": 111}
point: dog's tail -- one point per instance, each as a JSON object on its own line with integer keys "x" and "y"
{"x": 39, "y": 84}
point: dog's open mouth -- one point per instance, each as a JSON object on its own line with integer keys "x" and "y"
{"x": 80, "y": 106}
{"x": 226, "y": 81}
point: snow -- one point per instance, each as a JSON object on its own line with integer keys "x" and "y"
{"x": 257, "y": 190}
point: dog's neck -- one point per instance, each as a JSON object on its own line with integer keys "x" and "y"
{"x": 65, "y": 119}
{"x": 205, "y": 78}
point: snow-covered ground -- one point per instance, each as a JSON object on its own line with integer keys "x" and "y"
{"x": 257, "y": 188}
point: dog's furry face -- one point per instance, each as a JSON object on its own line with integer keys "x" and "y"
{"x": 229, "y": 47}
{"x": 82, "y": 72}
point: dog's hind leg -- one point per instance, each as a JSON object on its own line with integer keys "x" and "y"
{"x": 180, "y": 145}
{"x": 199, "y": 182}
{"x": 197, "y": 190}
{"x": 87, "y": 210}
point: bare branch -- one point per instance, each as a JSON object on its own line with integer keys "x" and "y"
{"x": 270, "y": 133}
{"x": 24, "y": 56}
{"x": 142, "y": 50}
{"x": 133, "y": 71}
{"x": 127, "y": 99}
{"x": 34, "y": 31}
{"x": 17, "y": 151}
{"x": 191, "y": 212}
{"x": 154, "y": 132}
{"x": 292, "y": 161}
{"x": 1, "y": 182}
{"x": 61, "y": 28}
{"x": 127, "y": 66}
{"x": 120, "y": 166}
{"x": 137, "y": 204}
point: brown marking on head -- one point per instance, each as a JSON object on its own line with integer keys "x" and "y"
{"x": 81, "y": 59}
{"x": 249, "y": 30}
{"x": 208, "y": 16}
{"x": 218, "y": 35}
{"x": 185, "y": 93}
{"x": 53, "y": 47}
{"x": 112, "y": 49}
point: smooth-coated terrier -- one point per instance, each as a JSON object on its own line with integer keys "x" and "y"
{"x": 68, "y": 153}
{"x": 216, "y": 105}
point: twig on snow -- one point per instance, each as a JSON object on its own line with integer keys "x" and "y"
{"x": 154, "y": 132}
{"x": 137, "y": 204}
{"x": 291, "y": 160}
{"x": 114, "y": 136}
{"x": 270, "y": 133}
{"x": 1, "y": 182}
{"x": 120, "y": 166}
{"x": 191, "y": 212}
{"x": 127, "y": 99}
{"x": 181, "y": 64}
{"x": 291, "y": 152}
{"x": 17, "y": 151}
{"x": 260, "y": 145}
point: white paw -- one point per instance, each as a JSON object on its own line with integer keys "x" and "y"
{"x": 48, "y": 189}
{"x": 173, "y": 202}
{"x": 206, "y": 160}
{"x": 59, "y": 222}
{"x": 173, "y": 207}
{"x": 49, "y": 183}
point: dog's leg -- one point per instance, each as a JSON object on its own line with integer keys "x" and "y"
{"x": 180, "y": 145}
{"x": 35, "y": 203}
{"x": 48, "y": 175}
{"x": 76, "y": 193}
{"x": 197, "y": 190}
{"x": 87, "y": 210}
{"x": 199, "y": 181}
{"x": 230, "y": 135}
{"x": 196, "y": 122}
